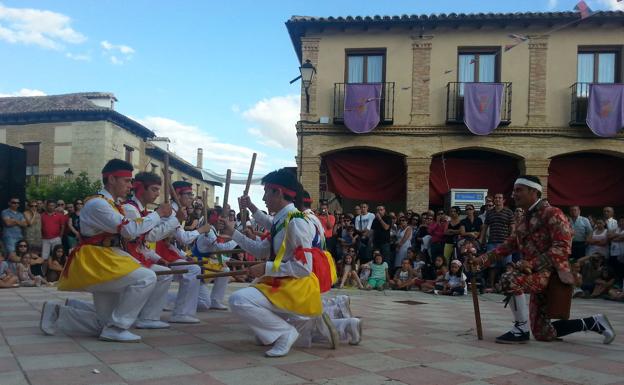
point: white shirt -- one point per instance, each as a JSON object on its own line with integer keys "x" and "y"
{"x": 612, "y": 224}
{"x": 300, "y": 232}
{"x": 207, "y": 242}
{"x": 97, "y": 216}
{"x": 364, "y": 221}
{"x": 182, "y": 236}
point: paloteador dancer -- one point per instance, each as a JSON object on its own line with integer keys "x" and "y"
{"x": 289, "y": 285}
{"x": 544, "y": 239}
{"x": 120, "y": 285}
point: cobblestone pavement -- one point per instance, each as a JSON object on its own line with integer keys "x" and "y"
{"x": 431, "y": 342}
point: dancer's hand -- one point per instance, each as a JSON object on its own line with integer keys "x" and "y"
{"x": 205, "y": 228}
{"x": 227, "y": 227}
{"x": 258, "y": 270}
{"x": 164, "y": 210}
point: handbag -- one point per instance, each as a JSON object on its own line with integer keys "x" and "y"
{"x": 558, "y": 298}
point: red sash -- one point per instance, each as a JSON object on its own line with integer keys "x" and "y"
{"x": 96, "y": 240}
{"x": 164, "y": 251}
{"x": 320, "y": 266}
{"x": 132, "y": 247}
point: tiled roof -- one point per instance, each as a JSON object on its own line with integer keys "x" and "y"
{"x": 65, "y": 108}
{"x": 297, "y": 25}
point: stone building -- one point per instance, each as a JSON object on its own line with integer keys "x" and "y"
{"x": 422, "y": 144}
{"x": 74, "y": 133}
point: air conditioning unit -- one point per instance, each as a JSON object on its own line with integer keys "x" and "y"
{"x": 464, "y": 196}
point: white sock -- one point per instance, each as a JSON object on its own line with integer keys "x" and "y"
{"x": 520, "y": 311}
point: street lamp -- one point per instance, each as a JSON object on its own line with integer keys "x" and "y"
{"x": 68, "y": 173}
{"x": 307, "y": 73}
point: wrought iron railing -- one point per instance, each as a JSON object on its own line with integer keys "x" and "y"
{"x": 578, "y": 108}
{"x": 386, "y": 107}
{"x": 455, "y": 103}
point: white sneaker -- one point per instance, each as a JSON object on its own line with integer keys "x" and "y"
{"x": 608, "y": 332}
{"x": 151, "y": 324}
{"x": 283, "y": 344}
{"x": 344, "y": 304}
{"x": 49, "y": 316}
{"x": 169, "y": 306}
{"x": 115, "y": 334}
{"x": 355, "y": 331}
{"x": 183, "y": 319}
{"x": 329, "y": 331}
{"x": 216, "y": 305}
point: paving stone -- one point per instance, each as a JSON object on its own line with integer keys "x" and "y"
{"x": 221, "y": 362}
{"x": 473, "y": 369}
{"x": 256, "y": 376}
{"x": 548, "y": 354}
{"x": 424, "y": 375}
{"x": 95, "y": 345}
{"x": 202, "y": 349}
{"x": 374, "y": 362}
{"x": 360, "y": 379}
{"x": 75, "y": 376}
{"x": 144, "y": 370}
{"x": 579, "y": 375}
{"x": 37, "y": 339}
{"x": 126, "y": 356}
{"x": 13, "y": 378}
{"x": 460, "y": 350}
{"x": 320, "y": 369}
{"x": 193, "y": 379}
{"x": 380, "y": 345}
{"x": 56, "y": 361}
{"x": 8, "y": 364}
{"x": 47, "y": 348}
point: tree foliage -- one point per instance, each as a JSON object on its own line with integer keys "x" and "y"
{"x": 67, "y": 189}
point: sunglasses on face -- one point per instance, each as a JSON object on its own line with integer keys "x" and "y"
{"x": 15, "y": 203}
{"x": 22, "y": 245}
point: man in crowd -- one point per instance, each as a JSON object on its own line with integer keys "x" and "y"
{"x": 610, "y": 222}
{"x": 582, "y": 230}
{"x": 381, "y": 234}
{"x": 13, "y": 222}
{"x": 363, "y": 223}
{"x": 544, "y": 241}
{"x": 52, "y": 229}
{"x": 327, "y": 222}
{"x": 496, "y": 228}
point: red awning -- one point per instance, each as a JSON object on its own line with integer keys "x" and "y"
{"x": 496, "y": 173}
{"x": 590, "y": 180}
{"x": 366, "y": 175}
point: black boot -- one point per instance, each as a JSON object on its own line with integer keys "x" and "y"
{"x": 515, "y": 336}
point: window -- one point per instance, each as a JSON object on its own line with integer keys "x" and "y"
{"x": 598, "y": 65}
{"x": 129, "y": 151}
{"x": 32, "y": 158}
{"x": 478, "y": 65}
{"x": 366, "y": 66}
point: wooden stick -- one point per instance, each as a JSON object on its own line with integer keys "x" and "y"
{"x": 244, "y": 263}
{"x": 226, "y": 192}
{"x": 243, "y": 213}
{"x": 205, "y": 208}
{"x": 171, "y": 272}
{"x": 167, "y": 176}
{"x": 475, "y": 304}
{"x": 223, "y": 274}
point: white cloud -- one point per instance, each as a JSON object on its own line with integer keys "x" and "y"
{"x": 612, "y": 5}
{"x": 43, "y": 28}
{"x": 274, "y": 121}
{"x": 552, "y": 4}
{"x": 78, "y": 56}
{"x": 117, "y": 53}
{"x": 24, "y": 92}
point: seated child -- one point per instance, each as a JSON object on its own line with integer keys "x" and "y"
{"x": 348, "y": 271}
{"x": 379, "y": 272}
{"x": 7, "y": 279}
{"x": 56, "y": 263}
{"x": 404, "y": 277}
{"x": 25, "y": 276}
{"x": 454, "y": 280}
{"x": 430, "y": 286}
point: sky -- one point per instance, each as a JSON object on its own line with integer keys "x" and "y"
{"x": 210, "y": 74}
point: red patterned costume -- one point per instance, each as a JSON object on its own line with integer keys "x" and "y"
{"x": 544, "y": 240}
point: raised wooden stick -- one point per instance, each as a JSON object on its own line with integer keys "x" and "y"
{"x": 167, "y": 180}
{"x": 475, "y": 304}
{"x": 171, "y": 272}
{"x": 223, "y": 274}
{"x": 243, "y": 213}
{"x": 226, "y": 193}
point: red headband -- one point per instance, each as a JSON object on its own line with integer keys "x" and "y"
{"x": 140, "y": 187}
{"x": 185, "y": 189}
{"x": 307, "y": 200}
{"x": 283, "y": 189}
{"x": 118, "y": 173}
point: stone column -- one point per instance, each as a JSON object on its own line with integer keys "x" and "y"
{"x": 310, "y": 175}
{"x": 421, "y": 66}
{"x": 417, "y": 183}
{"x": 309, "y": 51}
{"x": 539, "y": 168}
{"x": 538, "y": 50}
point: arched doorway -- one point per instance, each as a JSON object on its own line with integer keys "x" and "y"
{"x": 471, "y": 169}
{"x": 365, "y": 175}
{"x": 587, "y": 179}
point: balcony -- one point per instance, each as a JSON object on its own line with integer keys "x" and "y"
{"x": 455, "y": 103}
{"x": 386, "y": 105}
{"x": 579, "y": 98}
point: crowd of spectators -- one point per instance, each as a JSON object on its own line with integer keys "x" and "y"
{"x": 373, "y": 250}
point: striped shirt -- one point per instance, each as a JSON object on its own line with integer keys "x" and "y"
{"x": 499, "y": 224}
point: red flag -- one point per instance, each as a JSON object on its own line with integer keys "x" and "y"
{"x": 583, "y": 8}
{"x": 510, "y": 46}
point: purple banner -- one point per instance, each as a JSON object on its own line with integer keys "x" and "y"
{"x": 482, "y": 107}
{"x": 361, "y": 107}
{"x": 605, "y": 109}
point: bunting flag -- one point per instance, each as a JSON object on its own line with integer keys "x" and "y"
{"x": 362, "y": 107}
{"x": 447, "y": 72}
{"x": 510, "y": 46}
{"x": 482, "y": 107}
{"x": 583, "y": 9}
{"x": 605, "y": 110}
{"x": 517, "y": 37}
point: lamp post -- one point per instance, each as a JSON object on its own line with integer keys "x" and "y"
{"x": 68, "y": 173}
{"x": 307, "y": 73}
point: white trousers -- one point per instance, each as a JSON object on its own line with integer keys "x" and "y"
{"x": 47, "y": 245}
{"x": 188, "y": 293}
{"x": 341, "y": 325}
{"x": 155, "y": 304}
{"x": 115, "y": 303}
{"x": 267, "y": 321}
{"x": 216, "y": 296}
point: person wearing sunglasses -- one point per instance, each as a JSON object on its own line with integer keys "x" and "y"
{"x": 32, "y": 232}
{"x": 13, "y": 222}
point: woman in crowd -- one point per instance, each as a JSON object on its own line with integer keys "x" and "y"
{"x": 471, "y": 225}
{"x": 35, "y": 262}
{"x": 599, "y": 240}
{"x": 404, "y": 236}
{"x": 452, "y": 232}
{"x": 25, "y": 276}
{"x": 437, "y": 231}
{"x": 32, "y": 232}
{"x": 74, "y": 225}
{"x": 56, "y": 263}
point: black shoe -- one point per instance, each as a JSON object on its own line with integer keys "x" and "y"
{"x": 513, "y": 338}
